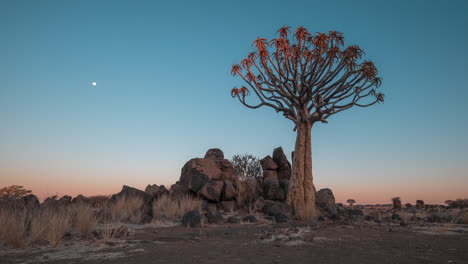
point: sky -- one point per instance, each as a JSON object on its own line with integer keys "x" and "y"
{"x": 163, "y": 94}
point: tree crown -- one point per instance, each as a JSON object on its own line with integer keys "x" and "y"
{"x": 308, "y": 77}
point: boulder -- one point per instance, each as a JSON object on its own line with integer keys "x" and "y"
{"x": 65, "y": 200}
{"x": 214, "y": 217}
{"x": 275, "y": 208}
{"x": 31, "y": 201}
{"x": 80, "y": 199}
{"x": 284, "y": 167}
{"x": 250, "y": 219}
{"x": 325, "y": 201}
{"x": 419, "y": 204}
{"x": 233, "y": 220}
{"x": 212, "y": 190}
{"x": 259, "y": 204}
{"x": 267, "y": 163}
{"x": 271, "y": 189}
{"x": 284, "y": 185}
{"x": 270, "y": 173}
{"x": 229, "y": 191}
{"x": 128, "y": 192}
{"x": 192, "y": 219}
{"x": 214, "y": 153}
{"x": 156, "y": 191}
{"x": 227, "y": 170}
{"x": 177, "y": 190}
{"x": 197, "y": 172}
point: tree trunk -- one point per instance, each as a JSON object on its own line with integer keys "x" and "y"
{"x": 301, "y": 194}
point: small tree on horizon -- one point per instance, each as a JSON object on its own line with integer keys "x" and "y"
{"x": 13, "y": 192}
{"x": 307, "y": 78}
{"x": 351, "y": 202}
{"x": 396, "y": 202}
{"x": 247, "y": 166}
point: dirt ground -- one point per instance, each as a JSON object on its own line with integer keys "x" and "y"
{"x": 292, "y": 242}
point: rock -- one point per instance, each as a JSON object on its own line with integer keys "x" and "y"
{"x": 284, "y": 185}
{"x": 192, "y": 219}
{"x": 259, "y": 204}
{"x": 267, "y": 163}
{"x": 177, "y": 190}
{"x": 146, "y": 219}
{"x": 233, "y": 220}
{"x": 229, "y": 191}
{"x": 228, "y": 206}
{"x": 214, "y": 153}
{"x": 408, "y": 205}
{"x": 355, "y": 212}
{"x": 320, "y": 219}
{"x": 227, "y": 170}
{"x": 50, "y": 202}
{"x": 128, "y": 193}
{"x": 274, "y": 208}
{"x": 80, "y": 199}
{"x": 434, "y": 218}
{"x": 325, "y": 201}
{"x": 250, "y": 219}
{"x": 197, "y": 172}
{"x": 31, "y": 201}
{"x": 209, "y": 207}
{"x": 156, "y": 191}
{"x": 403, "y": 223}
{"x": 212, "y": 190}
{"x": 270, "y": 173}
{"x": 280, "y": 218}
{"x": 419, "y": 204}
{"x": 214, "y": 217}
{"x": 284, "y": 167}
{"x": 271, "y": 189}
{"x": 65, "y": 200}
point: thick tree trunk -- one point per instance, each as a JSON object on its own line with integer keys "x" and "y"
{"x": 301, "y": 194}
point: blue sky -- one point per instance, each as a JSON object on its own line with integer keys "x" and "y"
{"x": 162, "y": 95}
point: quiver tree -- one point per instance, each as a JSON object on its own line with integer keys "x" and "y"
{"x": 308, "y": 78}
{"x": 351, "y": 202}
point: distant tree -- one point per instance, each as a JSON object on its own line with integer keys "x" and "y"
{"x": 247, "y": 166}
{"x": 396, "y": 201}
{"x": 449, "y": 202}
{"x": 307, "y": 78}
{"x": 408, "y": 205}
{"x": 13, "y": 192}
{"x": 351, "y": 202}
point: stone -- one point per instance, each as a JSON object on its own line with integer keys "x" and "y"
{"x": 259, "y": 204}
{"x": 250, "y": 219}
{"x": 197, "y": 172}
{"x": 214, "y": 153}
{"x": 228, "y": 206}
{"x": 284, "y": 185}
{"x": 227, "y": 170}
{"x": 66, "y": 199}
{"x": 280, "y": 218}
{"x": 156, "y": 191}
{"x": 177, "y": 190}
{"x": 419, "y": 204}
{"x": 121, "y": 232}
{"x": 233, "y": 220}
{"x": 31, "y": 201}
{"x": 270, "y": 173}
{"x": 267, "y": 163}
{"x": 229, "y": 192}
{"x": 209, "y": 207}
{"x": 271, "y": 188}
{"x": 284, "y": 167}
{"x": 408, "y": 205}
{"x": 214, "y": 217}
{"x": 275, "y": 208}
{"x": 128, "y": 192}
{"x": 212, "y": 190}
{"x": 325, "y": 201}
{"x": 396, "y": 217}
{"x": 192, "y": 219}
{"x": 80, "y": 199}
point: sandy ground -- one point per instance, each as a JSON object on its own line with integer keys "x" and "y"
{"x": 292, "y": 242}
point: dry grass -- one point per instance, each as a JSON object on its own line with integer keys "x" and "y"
{"x": 84, "y": 219}
{"x": 128, "y": 208}
{"x": 99, "y": 200}
{"x": 173, "y": 209}
{"x": 14, "y": 223}
{"x": 59, "y": 223}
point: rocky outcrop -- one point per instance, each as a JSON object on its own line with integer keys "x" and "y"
{"x": 284, "y": 167}
{"x": 192, "y": 219}
{"x": 213, "y": 178}
{"x": 419, "y": 204}
{"x": 30, "y": 201}
{"x": 128, "y": 193}
{"x": 325, "y": 201}
{"x": 276, "y": 175}
{"x": 156, "y": 191}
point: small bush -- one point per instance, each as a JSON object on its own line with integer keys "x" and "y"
{"x": 247, "y": 166}
{"x": 84, "y": 219}
{"x": 167, "y": 208}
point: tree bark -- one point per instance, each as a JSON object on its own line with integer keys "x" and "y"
{"x": 301, "y": 194}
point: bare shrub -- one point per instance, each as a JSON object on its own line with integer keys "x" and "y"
{"x": 59, "y": 223}
{"x": 168, "y": 208}
{"x": 135, "y": 209}
{"x": 396, "y": 201}
{"x": 39, "y": 225}
{"x": 14, "y": 224}
{"x": 247, "y": 166}
{"x": 84, "y": 219}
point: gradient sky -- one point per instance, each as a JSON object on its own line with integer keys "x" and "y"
{"x": 162, "y": 95}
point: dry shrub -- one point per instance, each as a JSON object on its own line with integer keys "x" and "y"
{"x": 14, "y": 224}
{"x": 59, "y": 222}
{"x": 84, "y": 219}
{"x": 39, "y": 226}
{"x": 462, "y": 217}
{"x": 168, "y": 208}
{"x": 126, "y": 208}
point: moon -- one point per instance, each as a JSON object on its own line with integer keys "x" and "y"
{"x": 94, "y": 83}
